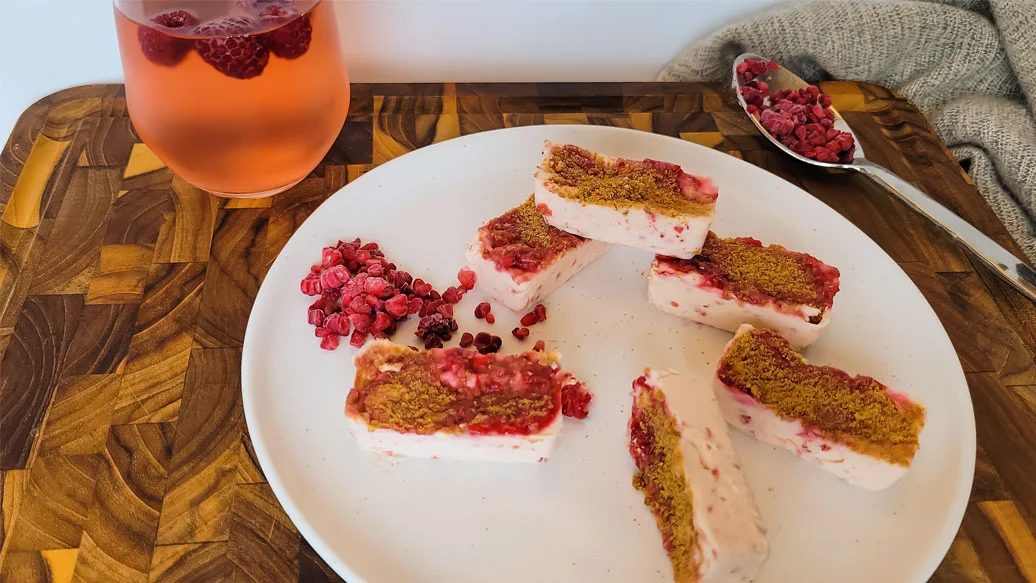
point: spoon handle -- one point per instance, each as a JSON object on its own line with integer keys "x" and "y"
{"x": 1000, "y": 260}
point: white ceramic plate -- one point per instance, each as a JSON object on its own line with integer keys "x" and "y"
{"x": 577, "y": 518}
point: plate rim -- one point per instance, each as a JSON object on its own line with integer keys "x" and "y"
{"x": 342, "y": 568}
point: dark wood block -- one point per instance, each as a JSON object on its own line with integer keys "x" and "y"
{"x": 125, "y": 292}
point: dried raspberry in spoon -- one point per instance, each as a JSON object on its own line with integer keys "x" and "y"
{"x": 751, "y": 68}
{"x": 801, "y": 119}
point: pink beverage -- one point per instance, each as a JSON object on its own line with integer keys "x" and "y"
{"x": 242, "y": 98}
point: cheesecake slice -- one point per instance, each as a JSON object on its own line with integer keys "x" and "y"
{"x": 741, "y": 281}
{"x": 519, "y": 259}
{"x": 692, "y": 482}
{"x": 852, "y": 426}
{"x": 456, "y": 403}
{"x": 646, "y": 204}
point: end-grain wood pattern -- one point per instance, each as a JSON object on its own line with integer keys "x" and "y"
{"x": 124, "y": 294}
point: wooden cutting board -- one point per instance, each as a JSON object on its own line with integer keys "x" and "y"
{"x": 124, "y": 294}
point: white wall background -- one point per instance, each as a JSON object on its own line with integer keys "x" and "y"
{"x": 47, "y": 45}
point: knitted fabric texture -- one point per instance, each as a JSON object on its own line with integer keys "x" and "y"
{"x": 968, "y": 65}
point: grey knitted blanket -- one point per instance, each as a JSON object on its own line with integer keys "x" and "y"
{"x": 969, "y": 65}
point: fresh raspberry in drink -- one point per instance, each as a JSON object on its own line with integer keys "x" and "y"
{"x": 231, "y": 49}
{"x": 257, "y": 6}
{"x": 290, "y": 41}
{"x": 161, "y": 48}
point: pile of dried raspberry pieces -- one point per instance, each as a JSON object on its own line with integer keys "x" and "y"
{"x": 361, "y": 294}
{"x": 801, "y": 119}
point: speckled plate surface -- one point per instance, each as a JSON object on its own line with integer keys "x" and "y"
{"x": 577, "y": 517}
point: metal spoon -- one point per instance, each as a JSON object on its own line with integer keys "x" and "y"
{"x": 1000, "y": 260}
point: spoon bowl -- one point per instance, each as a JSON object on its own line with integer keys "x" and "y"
{"x": 1005, "y": 264}
{"x": 785, "y": 79}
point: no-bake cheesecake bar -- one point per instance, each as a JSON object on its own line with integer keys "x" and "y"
{"x": 852, "y": 426}
{"x": 692, "y": 482}
{"x": 735, "y": 281}
{"x": 519, "y": 259}
{"x": 646, "y": 204}
{"x": 456, "y": 403}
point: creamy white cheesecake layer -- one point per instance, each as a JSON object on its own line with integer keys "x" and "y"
{"x": 753, "y": 418}
{"x": 749, "y": 415}
{"x": 519, "y": 295}
{"x": 467, "y": 447}
{"x": 675, "y": 237}
{"x": 689, "y": 295}
{"x": 681, "y": 236}
{"x": 731, "y": 535}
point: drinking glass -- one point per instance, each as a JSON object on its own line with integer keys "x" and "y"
{"x": 241, "y": 98}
